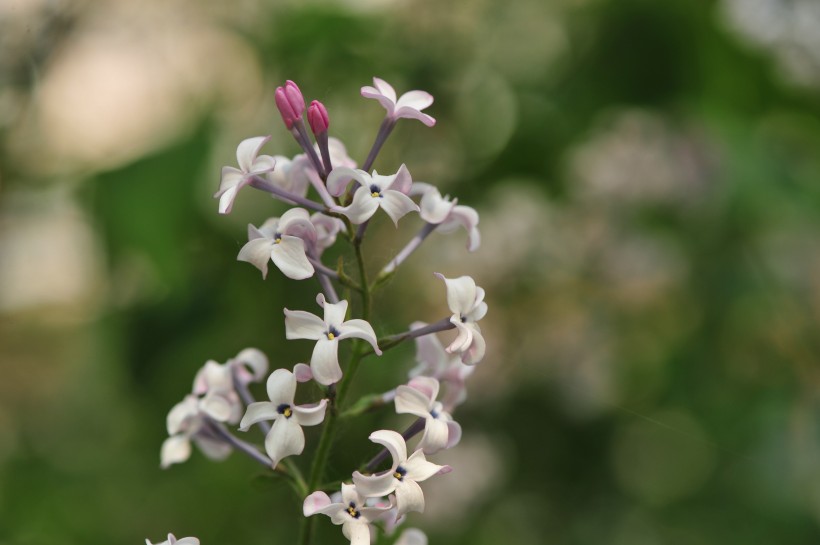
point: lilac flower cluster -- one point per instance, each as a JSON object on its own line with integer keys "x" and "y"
{"x": 341, "y": 204}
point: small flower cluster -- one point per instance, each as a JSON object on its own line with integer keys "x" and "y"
{"x": 346, "y": 199}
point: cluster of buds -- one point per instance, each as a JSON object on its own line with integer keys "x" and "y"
{"x": 374, "y": 496}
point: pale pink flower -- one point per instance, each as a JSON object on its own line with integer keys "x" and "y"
{"x": 447, "y": 213}
{"x": 284, "y": 241}
{"x": 434, "y": 361}
{"x": 386, "y": 192}
{"x": 466, "y": 302}
{"x": 351, "y": 512}
{"x": 327, "y": 332}
{"x": 418, "y": 398}
{"x": 285, "y": 437}
{"x": 250, "y": 164}
{"x": 185, "y": 423}
{"x": 409, "y": 105}
{"x": 402, "y": 477}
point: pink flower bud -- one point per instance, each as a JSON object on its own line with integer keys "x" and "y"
{"x": 317, "y": 117}
{"x": 290, "y": 103}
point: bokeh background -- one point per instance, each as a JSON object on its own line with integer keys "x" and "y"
{"x": 648, "y": 178}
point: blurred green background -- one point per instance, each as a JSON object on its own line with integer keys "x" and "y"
{"x": 648, "y": 178}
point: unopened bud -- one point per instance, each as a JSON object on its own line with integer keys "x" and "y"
{"x": 290, "y": 103}
{"x": 317, "y": 117}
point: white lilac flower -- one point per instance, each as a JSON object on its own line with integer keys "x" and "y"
{"x": 447, "y": 213}
{"x": 250, "y": 164}
{"x": 289, "y": 174}
{"x": 402, "y": 477}
{"x": 186, "y": 423}
{"x": 327, "y": 332}
{"x": 418, "y": 398}
{"x": 285, "y": 437}
{"x": 174, "y": 541}
{"x": 434, "y": 361}
{"x": 218, "y": 398}
{"x": 409, "y": 105}
{"x": 327, "y": 228}
{"x": 284, "y": 241}
{"x": 351, "y": 512}
{"x": 466, "y": 302}
{"x": 250, "y": 365}
{"x": 412, "y": 536}
{"x": 386, "y": 192}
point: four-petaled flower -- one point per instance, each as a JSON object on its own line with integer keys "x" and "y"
{"x": 466, "y": 302}
{"x": 447, "y": 213}
{"x": 284, "y": 241}
{"x": 285, "y": 437}
{"x": 434, "y": 361}
{"x": 187, "y": 422}
{"x": 351, "y": 513}
{"x": 250, "y": 164}
{"x": 327, "y": 332}
{"x": 409, "y": 105}
{"x": 174, "y": 541}
{"x": 418, "y": 397}
{"x": 386, "y": 192}
{"x": 402, "y": 477}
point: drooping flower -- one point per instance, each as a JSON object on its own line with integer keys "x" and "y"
{"x": 403, "y": 476}
{"x": 409, "y": 105}
{"x": 283, "y": 241}
{"x": 327, "y": 332}
{"x": 466, "y": 302}
{"x": 174, "y": 541}
{"x": 250, "y": 164}
{"x": 418, "y": 398}
{"x": 434, "y": 361}
{"x": 374, "y": 192}
{"x": 351, "y": 513}
{"x": 447, "y": 213}
{"x": 285, "y": 437}
{"x": 186, "y": 422}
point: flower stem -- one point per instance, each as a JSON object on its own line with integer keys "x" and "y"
{"x": 386, "y": 343}
{"x": 414, "y": 428}
{"x": 384, "y": 131}
{"x": 411, "y": 247}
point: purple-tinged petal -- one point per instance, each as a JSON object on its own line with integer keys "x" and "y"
{"x": 303, "y": 325}
{"x": 428, "y": 386}
{"x": 289, "y": 256}
{"x": 315, "y": 503}
{"x": 257, "y": 252}
{"x": 411, "y": 113}
{"x": 453, "y": 434}
{"x": 257, "y": 412}
{"x": 281, "y": 387}
{"x": 475, "y": 353}
{"x": 296, "y": 222}
{"x": 363, "y": 206}
{"x": 436, "y": 436}
{"x": 397, "y": 205}
{"x": 411, "y": 401}
{"x": 419, "y": 469}
{"x": 325, "y": 362}
{"x": 247, "y": 151}
{"x": 374, "y": 486}
{"x": 409, "y": 497}
{"x": 340, "y": 177}
{"x": 302, "y": 372}
{"x": 232, "y": 182}
{"x": 306, "y": 415}
{"x": 253, "y": 359}
{"x": 334, "y": 312}
{"x": 176, "y": 449}
{"x": 385, "y": 89}
{"x": 393, "y": 442}
{"x": 360, "y": 329}
{"x": 417, "y": 100}
{"x": 285, "y": 438}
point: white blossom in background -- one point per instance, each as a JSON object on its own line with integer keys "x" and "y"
{"x": 352, "y": 512}
{"x": 434, "y": 361}
{"x": 327, "y": 228}
{"x": 447, "y": 213}
{"x": 386, "y": 192}
{"x": 174, "y": 541}
{"x": 466, "y": 302}
{"x": 186, "y": 423}
{"x": 403, "y": 476}
{"x": 412, "y": 536}
{"x": 324, "y": 363}
{"x": 219, "y": 400}
{"x": 285, "y": 437}
{"x": 418, "y": 398}
{"x": 284, "y": 241}
{"x": 409, "y": 105}
{"x": 250, "y": 164}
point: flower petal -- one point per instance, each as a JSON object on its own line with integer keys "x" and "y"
{"x": 325, "y": 362}
{"x": 434, "y": 208}
{"x": 334, "y": 312}
{"x": 175, "y": 449}
{"x": 303, "y": 325}
{"x": 316, "y": 503}
{"x": 385, "y": 89}
{"x": 302, "y": 372}
{"x": 213, "y": 449}
{"x": 436, "y": 436}
{"x": 285, "y": 438}
{"x": 393, "y": 442}
{"x": 464, "y": 338}
{"x": 467, "y": 217}
{"x": 360, "y": 329}
{"x": 409, "y": 497}
{"x": 428, "y": 386}
{"x": 216, "y": 406}
{"x": 357, "y": 532}
{"x": 340, "y": 177}
{"x": 181, "y": 414}
{"x": 475, "y": 353}
{"x": 362, "y": 208}
{"x": 396, "y": 204}
{"x": 232, "y": 182}
{"x": 281, "y": 387}
{"x": 289, "y": 256}
{"x": 253, "y": 359}
{"x": 257, "y": 252}
{"x": 418, "y": 100}
{"x": 247, "y": 151}
{"x": 419, "y": 469}
{"x": 256, "y": 412}
{"x": 412, "y": 536}
{"x": 453, "y": 434}
{"x": 374, "y": 486}
{"x": 296, "y": 222}
{"x": 412, "y": 113}
{"x": 401, "y": 181}
{"x": 310, "y": 415}
{"x": 411, "y": 401}
{"x": 461, "y": 293}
